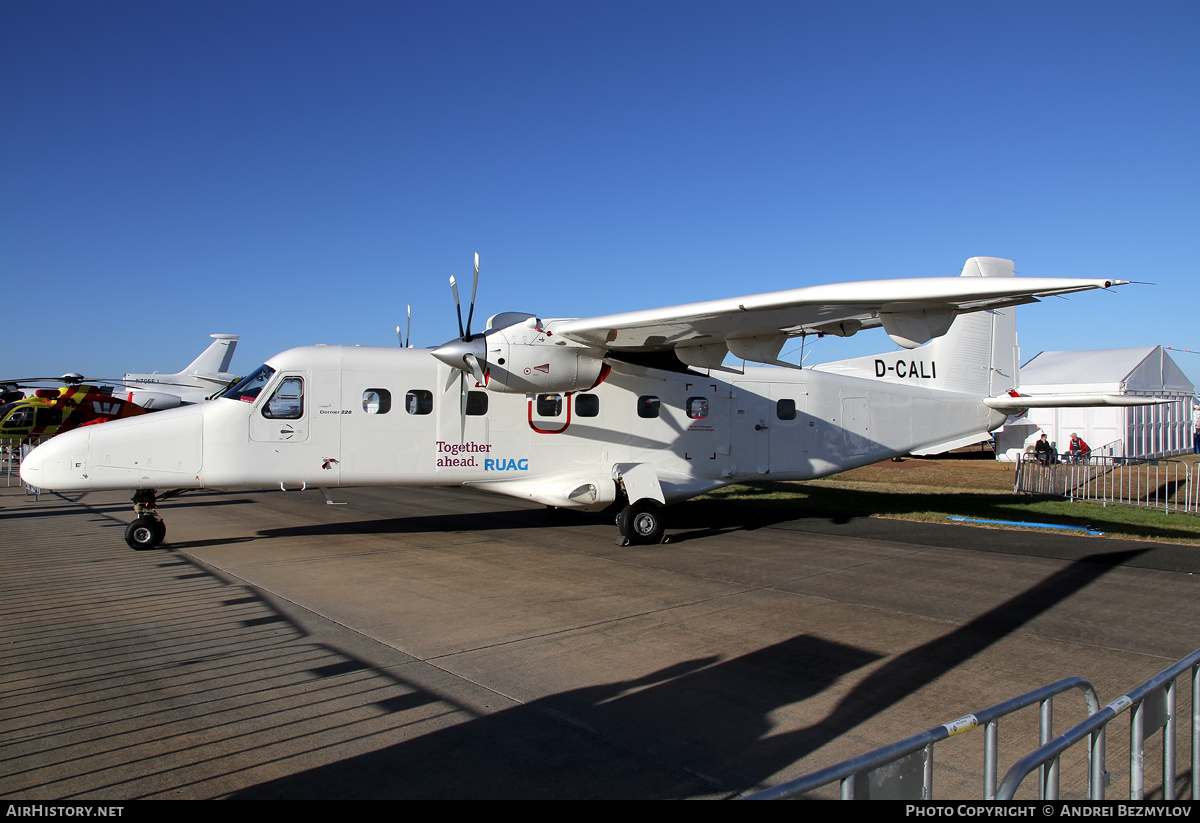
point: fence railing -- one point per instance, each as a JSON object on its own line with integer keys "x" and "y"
{"x": 1154, "y": 709}
{"x": 12, "y": 452}
{"x": 904, "y": 770}
{"x": 1169, "y": 485}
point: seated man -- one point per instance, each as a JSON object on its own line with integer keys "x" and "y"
{"x": 1077, "y": 449}
{"x": 1044, "y": 451}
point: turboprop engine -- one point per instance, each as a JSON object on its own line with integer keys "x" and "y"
{"x": 153, "y": 400}
{"x": 522, "y": 358}
{"x": 515, "y": 355}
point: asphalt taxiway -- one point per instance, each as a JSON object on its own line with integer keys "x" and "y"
{"x": 445, "y": 643}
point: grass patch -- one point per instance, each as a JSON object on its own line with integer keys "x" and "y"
{"x": 849, "y": 495}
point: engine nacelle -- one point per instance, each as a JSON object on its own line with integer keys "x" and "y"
{"x": 153, "y": 400}
{"x": 522, "y": 359}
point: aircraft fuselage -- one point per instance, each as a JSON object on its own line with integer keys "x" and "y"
{"x": 331, "y": 416}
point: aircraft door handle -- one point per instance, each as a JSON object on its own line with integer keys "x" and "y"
{"x": 759, "y": 426}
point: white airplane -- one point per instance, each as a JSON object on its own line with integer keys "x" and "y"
{"x": 636, "y": 409}
{"x": 198, "y": 381}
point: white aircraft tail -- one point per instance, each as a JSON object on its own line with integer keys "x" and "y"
{"x": 978, "y": 355}
{"x": 216, "y": 358}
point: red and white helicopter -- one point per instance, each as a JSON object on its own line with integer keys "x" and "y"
{"x": 635, "y": 409}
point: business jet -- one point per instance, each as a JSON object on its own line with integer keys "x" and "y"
{"x": 201, "y": 378}
{"x": 635, "y": 410}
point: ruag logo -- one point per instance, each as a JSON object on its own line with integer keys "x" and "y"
{"x": 499, "y": 464}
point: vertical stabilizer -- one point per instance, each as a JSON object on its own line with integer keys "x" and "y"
{"x": 978, "y": 355}
{"x": 216, "y": 358}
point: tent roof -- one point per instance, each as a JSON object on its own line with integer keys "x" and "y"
{"x": 1142, "y": 368}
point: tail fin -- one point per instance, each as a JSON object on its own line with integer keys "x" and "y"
{"x": 978, "y": 355}
{"x": 216, "y": 358}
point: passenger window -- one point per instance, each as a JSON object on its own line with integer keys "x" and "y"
{"x": 549, "y": 405}
{"x": 287, "y": 403}
{"x": 587, "y": 405}
{"x": 647, "y": 406}
{"x": 697, "y": 408}
{"x": 785, "y": 409}
{"x": 418, "y": 401}
{"x": 377, "y": 401}
{"x": 477, "y": 403}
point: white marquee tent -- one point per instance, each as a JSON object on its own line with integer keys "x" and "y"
{"x": 1133, "y": 431}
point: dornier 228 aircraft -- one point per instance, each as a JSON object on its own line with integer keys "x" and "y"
{"x": 635, "y": 409}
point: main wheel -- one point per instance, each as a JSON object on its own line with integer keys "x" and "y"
{"x": 145, "y": 533}
{"x": 641, "y": 523}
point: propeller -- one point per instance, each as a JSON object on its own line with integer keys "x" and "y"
{"x": 468, "y": 353}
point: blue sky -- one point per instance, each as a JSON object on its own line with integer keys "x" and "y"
{"x": 297, "y": 172}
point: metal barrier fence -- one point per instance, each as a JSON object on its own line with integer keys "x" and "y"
{"x": 904, "y": 770}
{"x": 26, "y": 448}
{"x": 12, "y": 453}
{"x": 1153, "y": 705}
{"x": 1169, "y": 485}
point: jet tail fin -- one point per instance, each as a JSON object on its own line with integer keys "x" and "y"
{"x": 216, "y": 358}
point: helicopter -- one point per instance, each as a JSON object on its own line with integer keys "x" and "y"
{"x": 50, "y": 411}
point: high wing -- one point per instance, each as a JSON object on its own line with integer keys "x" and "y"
{"x": 912, "y": 311}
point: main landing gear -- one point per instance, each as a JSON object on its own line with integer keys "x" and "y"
{"x": 640, "y": 524}
{"x": 147, "y": 529}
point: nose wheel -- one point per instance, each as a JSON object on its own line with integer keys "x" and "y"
{"x": 147, "y": 529}
{"x": 145, "y": 533}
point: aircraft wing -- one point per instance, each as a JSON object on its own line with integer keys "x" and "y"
{"x": 751, "y": 326}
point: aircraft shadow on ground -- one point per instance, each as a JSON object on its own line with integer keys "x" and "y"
{"x": 700, "y": 727}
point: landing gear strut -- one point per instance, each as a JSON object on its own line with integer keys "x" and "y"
{"x": 640, "y": 524}
{"x": 147, "y": 529}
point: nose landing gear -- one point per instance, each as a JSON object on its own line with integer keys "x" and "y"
{"x": 145, "y": 533}
{"x": 147, "y": 529}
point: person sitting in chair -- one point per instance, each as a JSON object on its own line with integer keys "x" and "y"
{"x": 1077, "y": 450}
{"x": 1044, "y": 452}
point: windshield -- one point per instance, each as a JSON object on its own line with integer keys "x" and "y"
{"x": 249, "y": 386}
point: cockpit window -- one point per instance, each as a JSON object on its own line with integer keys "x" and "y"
{"x": 20, "y": 419}
{"x": 249, "y": 386}
{"x": 287, "y": 403}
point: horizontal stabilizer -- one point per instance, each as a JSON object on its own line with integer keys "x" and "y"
{"x": 1012, "y": 404}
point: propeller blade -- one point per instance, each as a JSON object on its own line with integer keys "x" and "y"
{"x": 473, "y": 365}
{"x": 462, "y": 407}
{"x": 457, "y": 306}
{"x": 474, "y": 289}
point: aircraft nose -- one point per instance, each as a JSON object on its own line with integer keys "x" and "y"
{"x": 57, "y": 461}
{"x": 33, "y": 467}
